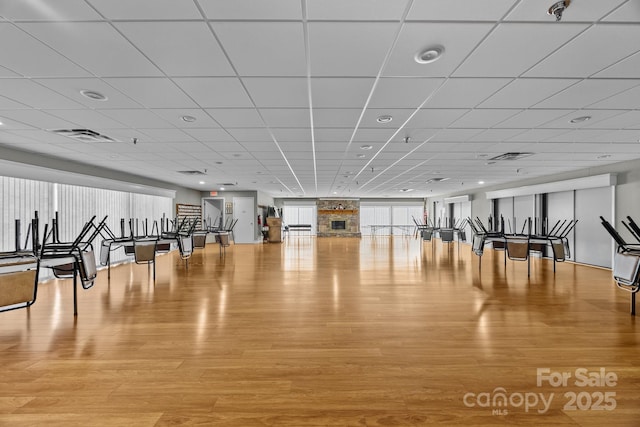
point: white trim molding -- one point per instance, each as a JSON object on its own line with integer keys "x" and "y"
{"x": 595, "y": 181}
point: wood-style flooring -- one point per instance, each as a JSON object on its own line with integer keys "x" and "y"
{"x": 326, "y": 332}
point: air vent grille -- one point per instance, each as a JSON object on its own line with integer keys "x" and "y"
{"x": 511, "y": 156}
{"x": 84, "y": 135}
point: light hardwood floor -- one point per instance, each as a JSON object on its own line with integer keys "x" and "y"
{"x": 323, "y": 332}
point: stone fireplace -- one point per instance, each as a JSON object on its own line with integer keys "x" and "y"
{"x": 338, "y": 218}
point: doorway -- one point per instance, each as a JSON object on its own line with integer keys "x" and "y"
{"x": 244, "y": 212}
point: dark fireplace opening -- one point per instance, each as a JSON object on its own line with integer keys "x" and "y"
{"x": 338, "y": 225}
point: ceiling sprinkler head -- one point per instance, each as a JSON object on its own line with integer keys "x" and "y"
{"x": 406, "y": 139}
{"x": 557, "y": 8}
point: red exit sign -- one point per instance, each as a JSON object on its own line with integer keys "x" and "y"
{"x": 213, "y": 193}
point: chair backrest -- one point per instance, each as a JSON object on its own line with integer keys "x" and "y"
{"x": 199, "y": 240}
{"x": 185, "y": 244}
{"x": 626, "y": 268}
{"x": 144, "y": 251}
{"x": 446, "y": 236}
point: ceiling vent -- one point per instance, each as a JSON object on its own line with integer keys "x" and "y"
{"x": 84, "y": 135}
{"x": 191, "y": 172}
{"x": 227, "y": 184}
{"x": 511, "y": 156}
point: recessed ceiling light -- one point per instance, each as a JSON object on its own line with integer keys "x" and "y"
{"x": 366, "y": 147}
{"x": 188, "y": 119}
{"x": 406, "y": 190}
{"x": 429, "y": 55}
{"x": 480, "y": 182}
{"x": 384, "y": 119}
{"x": 580, "y": 119}
{"x": 360, "y": 156}
{"x": 92, "y": 94}
{"x": 201, "y": 182}
{"x": 1, "y": 123}
{"x": 221, "y": 188}
{"x": 335, "y": 192}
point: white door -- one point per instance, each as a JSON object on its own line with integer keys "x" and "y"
{"x": 244, "y": 211}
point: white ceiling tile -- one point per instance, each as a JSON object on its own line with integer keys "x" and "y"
{"x": 264, "y": 48}
{"x": 355, "y": 10}
{"x": 153, "y": 92}
{"x": 524, "y": 93}
{"x": 465, "y": 92}
{"x": 86, "y": 119}
{"x": 42, "y": 136}
{"x": 479, "y": 118}
{"x": 29, "y": 57}
{"x": 349, "y": 49}
{"x": 626, "y": 99}
{"x": 252, "y": 9}
{"x": 579, "y": 135}
{"x": 34, "y": 95}
{"x": 455, "y": 135}
{"x": 457, "y": 39}
{"x": 147, "y": 9}
{"x": 214, "y": 92}
{"x": 583, "y": 63}
{"x": 586, "y": 93}
{"x": 622, "y": 120}
{"x": 60, "y": 10}
{"x": 137, "y": 118}
{"x": 585, "y": 10}
{"x": 291, "y": 134}
{"x": 250, "y": 135}
{"x": 237, "y": 117}
{"x": 496, "y": 135}
{"x": 277, "y": 92}
{"x": 536, "y": 135}
{"x": 624, "y": 137}
{"x": 435, "y": 118}
{"x": 340, "y": 92}
{"x": 373, "y": 135}
{"x": 174, "y": 116}
{"x": 10, "y": 104}
{"x": 96, "y": 46}
{"x": 627, "y": 68}
{"x": 459, "y": 10}
{"x": 336, "y": 117}
{"x": 37, "y": 119}
{"x": 628, "y": 12}
{"x": 167, "y": 135}
{"x": 287, "y": 117}
{"x": 530, "y": 119}
{"x": 210, "y": 135}
{"x": 326, "y": 135}
{"x": 222, "y": 146}
{"x": 179, "y": 48}
{"x": 9, "y": 124}
{"x": 511, "y": 49}
{"x": 403, "y": 92}
{"x": 71, "y": 88}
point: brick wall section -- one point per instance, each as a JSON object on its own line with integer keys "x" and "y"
{"x": 328, "y": 211}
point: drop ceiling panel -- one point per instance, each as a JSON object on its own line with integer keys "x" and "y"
{"x": 179, "y": 48}
{"x": 394, "y": 92}
{"x": 86, "y": 119}
{"x": 287, "y": 117}
{"x": 336, "y": 117}
{"x": 153, "y": 92}
{"x": 252, "y": 9}
{"x": 459, "y": 10}
{"x": 435, "y": 118}
{"x": 584, "y": 10}
{"x": 167, "y": 135}
{"x": 137, "y": 118}
{"x": 457, "y": 39}
{"x": 623, "y": 120}
{"x": 9, "y": 104}
{"x": 147, "y": 9}
{"x": 624, "y": 136}
{"x": 628, "y": 12}
{"x": 214, "y": 92}
{"x": 524, "y": 93}
{"x": 277, "y": 92}
{"x": 465, "y": 92}
{"x": 455, "y": 135}
{"x": 586, "y": 93}
{"x": 340, "y": 92}
{"x": 64, "y": 10}
{"x": 292, "y": 134}
{"x": 250, "y": 135}
{"x": 496, "y": 135}
{"x": 25, "y": 55}
{"x": 399, "y": 116}
{"x": 565, "y": 122}
{"x": 627, "y": 68}
{"x": 349, "y": 49}
{"x": 600, "y": 39}
{"x": 71, "y": 88}
{"x": 38, "y": 119}
{"x": 34, "y": 95}
{"x": 96, "y": 46}
{"x": 332, "y": 135}
{"x": 627, "y": 99}
{"x": 355, "y": 10}
{"x": 237, "y": 117}
{"x": 479, "y": 118}
{"x": 511, "y": 49}
{"x": 264, "y": 48}
{"x": 529, "y": 119}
